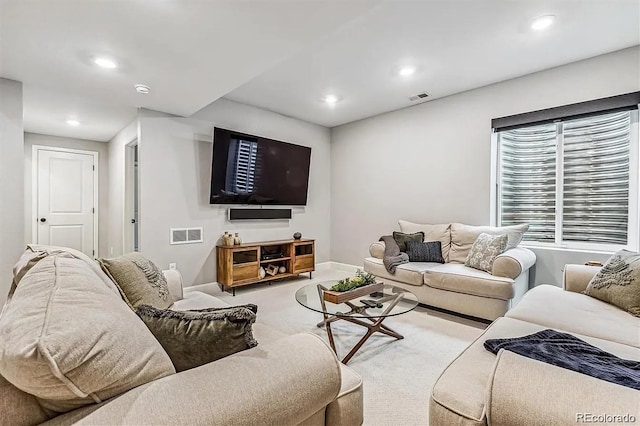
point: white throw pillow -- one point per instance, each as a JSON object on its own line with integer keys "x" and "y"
{"x": 463, "y": 237}
{"x": 437, "y": 232}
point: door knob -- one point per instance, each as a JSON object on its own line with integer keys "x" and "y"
{"x": 133, "y": 221}
{"x": 43, "y": 219}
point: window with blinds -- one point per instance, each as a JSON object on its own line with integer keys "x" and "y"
{"x": 569, "y": 180}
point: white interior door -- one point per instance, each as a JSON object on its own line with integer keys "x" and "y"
{"x": 66, "y": 202}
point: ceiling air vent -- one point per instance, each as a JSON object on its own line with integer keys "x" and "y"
{"x": 419, "y": 96}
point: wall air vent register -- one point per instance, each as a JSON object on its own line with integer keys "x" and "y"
{"x": 186, "y": 235}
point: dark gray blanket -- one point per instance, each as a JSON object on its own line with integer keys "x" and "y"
{"x": 567, "y": 351}
{"x": 392, "y": 254}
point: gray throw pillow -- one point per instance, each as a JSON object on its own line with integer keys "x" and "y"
{"x": 485, "y": 250}
{"x": 139, "y": 280}
{"x": 194, "y": 338}
{"x": 430, "y": 251}
{"x": 618, "y": 282}
{"x": 402, "y": 238}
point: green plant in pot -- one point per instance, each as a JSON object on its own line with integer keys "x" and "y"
{"x": 361, "y": 279}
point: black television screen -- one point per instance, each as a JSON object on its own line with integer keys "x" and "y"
{"x": 247, "y": 169}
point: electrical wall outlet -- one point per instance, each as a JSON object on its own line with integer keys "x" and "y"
{"x": 172, "y": 266}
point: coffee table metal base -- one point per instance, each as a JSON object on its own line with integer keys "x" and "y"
{"x": 376, "y": 325}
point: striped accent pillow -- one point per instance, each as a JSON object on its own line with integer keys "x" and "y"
{"x": 431, "y": 251}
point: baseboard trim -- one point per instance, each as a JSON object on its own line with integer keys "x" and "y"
{"x": 337, "y": 266}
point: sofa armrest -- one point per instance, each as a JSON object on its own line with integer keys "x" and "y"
{"x": 283, "y": 382}
{"x": 377, "y": 249}
{"x": 174, "y": 279}
{"x": 513, "y": 262}
{"x": 576, "y": 277}
{"x": 523, "y": 391}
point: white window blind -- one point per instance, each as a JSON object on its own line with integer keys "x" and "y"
{"x": 569, "y": 180}
{"x": 528, "y": 180}
{"x": 596, "y": 179}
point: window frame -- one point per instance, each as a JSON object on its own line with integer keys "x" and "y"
{"x": 633, "y": 224}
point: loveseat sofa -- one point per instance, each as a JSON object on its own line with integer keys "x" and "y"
{"x": 480, "y": 388}
{"x": 452, "y": 285}
{"x": 283, "y": 380}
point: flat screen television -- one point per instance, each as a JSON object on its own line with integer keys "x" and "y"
{"x": 248, "y": 169}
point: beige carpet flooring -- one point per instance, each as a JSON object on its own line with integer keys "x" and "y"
{"x": 398, "y": 374}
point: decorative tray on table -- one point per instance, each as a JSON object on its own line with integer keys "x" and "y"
{"x": 352, "y": 288}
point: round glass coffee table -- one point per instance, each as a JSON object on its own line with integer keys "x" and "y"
{"x": 369, "y": 310}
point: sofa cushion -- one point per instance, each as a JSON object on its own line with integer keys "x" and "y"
{"x": 484, "y": 251}
{"x": 463, "y": 279}
{"x": 618, "y": 282}
{"x": 195, "y": 338}
{"x": 463, "y": 237}
{"x": 140, "y": 281}
{"x": 347, "y": 408}
{"x": 430, "y": 251}
{"x": 19, "y": 408}
{"x": 552, "y": 307}
{"x": 197, "y": 300}
{"x": 438, "y": 232}
{"x": 401, "y": 239}
{"x": 67, "y": 338}
{"x": 516, "y": 399}
{"x": 409, "y": 273}
{"x": 461, "y": 387}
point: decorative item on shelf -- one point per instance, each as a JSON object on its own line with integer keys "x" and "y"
{"x": 227, "y": 239}
{"x": 351, "y": 288}
{"x": 282, "y": 269}
{"x": 593, "y": 263}
{"x": 272, "y": 270}
{"x": 237, "y": 240}
{"x": 262, "y": 273}
{"x": 297, "y": 236}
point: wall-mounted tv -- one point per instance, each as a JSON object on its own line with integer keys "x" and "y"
{"x": 248, "y": 169}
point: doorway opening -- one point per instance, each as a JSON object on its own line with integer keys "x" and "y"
{"x": 131, "y": 222}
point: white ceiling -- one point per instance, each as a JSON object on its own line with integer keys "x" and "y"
{"x": 282, "y": 55}
{"x": 189, "y": 52}
{"x": 457, "y": 45}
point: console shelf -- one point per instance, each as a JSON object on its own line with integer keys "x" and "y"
{"x": 239, "y": 265}
{"x": 275, "y": 260}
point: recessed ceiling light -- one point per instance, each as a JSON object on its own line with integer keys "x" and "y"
{"x": 72, "y": 122}
{"x": 104, "y": 62}
{"x": 141, "y": 88}
{"x": 542, "y": 22}
{"x": 331, "y": 99}
{"x": 406, "y": 71}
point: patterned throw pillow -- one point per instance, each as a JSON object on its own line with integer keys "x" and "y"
{"x": 139, "y": 280}
{"x": 402, "y": 238}
{"x": 485, "y": 250}
{"x": 618, "y": 282}
{"x": 431, "y": 251}
{"x": 195, "y": 338}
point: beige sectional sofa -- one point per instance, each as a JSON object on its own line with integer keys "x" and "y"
{"x": 452, "y": 285}
{"x": 479, "y": 388}
{"x": 293, "y": 379}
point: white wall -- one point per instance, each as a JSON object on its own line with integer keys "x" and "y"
{"x": 11, "y": 181}
{"x": 175, "y": 167}
{"x": 431, "y": 163}
{"x": 101, "y": 148}
{"x": 116, "y": 190}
